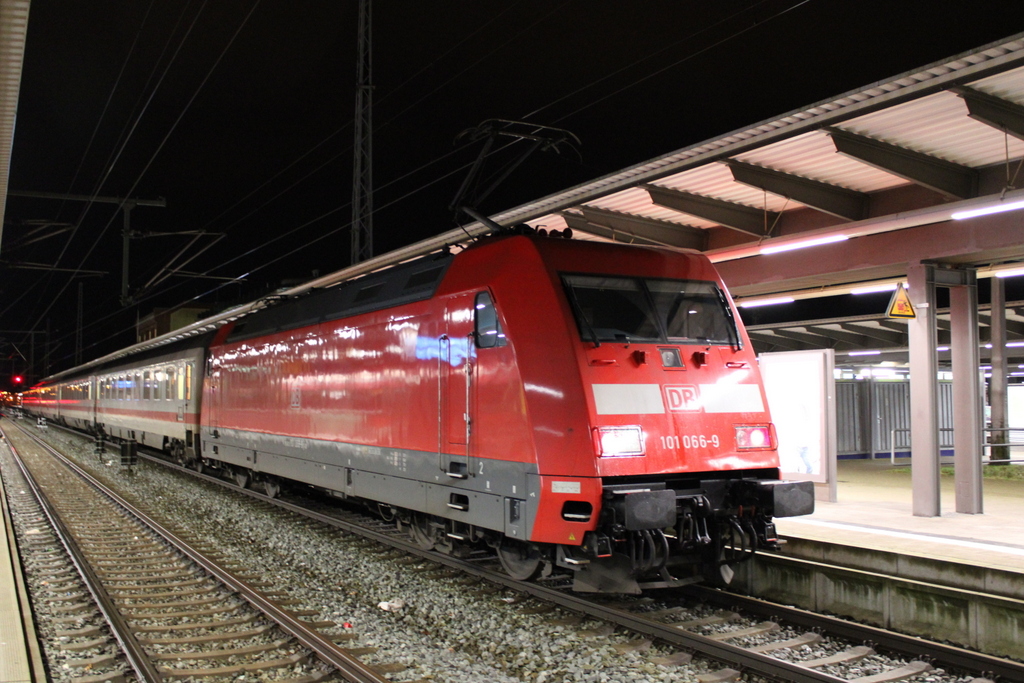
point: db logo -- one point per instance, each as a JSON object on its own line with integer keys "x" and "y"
{"x": 682, "y": 398}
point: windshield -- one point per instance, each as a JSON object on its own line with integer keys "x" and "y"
{"x": 626, "y": 309}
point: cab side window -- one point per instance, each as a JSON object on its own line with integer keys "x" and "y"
{"x": 488, "y": 328}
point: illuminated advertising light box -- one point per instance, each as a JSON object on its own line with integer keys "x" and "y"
{"x": 801, "y": 397}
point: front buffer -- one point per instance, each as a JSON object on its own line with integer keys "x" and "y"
{"x": 652, "y": 536}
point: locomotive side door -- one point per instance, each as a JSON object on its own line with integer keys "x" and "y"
{"x": 211, "y": 399}
{"x": 456, "y": 357}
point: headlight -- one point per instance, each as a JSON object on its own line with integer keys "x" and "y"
{"x": 754, "y": 437}
{"x": 619, "y": 441}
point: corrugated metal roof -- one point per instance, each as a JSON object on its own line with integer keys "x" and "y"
{"x": 813, "y": 156}
{"x": 636, "y": 202}
{"x": 984, "y": 62}
{"x": 1008, "y": 85}
{"x": 715, "y": 180}
{"x": 13, "y": 27}
{"x": 939, "y": 125}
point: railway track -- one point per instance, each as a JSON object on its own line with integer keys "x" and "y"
{"x": 770, "y": 645}
{"x": 169, "y": 610}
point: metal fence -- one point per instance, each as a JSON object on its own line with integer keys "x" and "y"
{"x": 873, "y": 417}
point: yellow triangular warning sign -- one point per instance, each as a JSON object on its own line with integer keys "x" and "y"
{"x": 899, "y": 305}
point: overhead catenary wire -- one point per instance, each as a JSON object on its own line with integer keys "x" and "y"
{"x": 657, "y": 72}
{"x": 124, "y": 138}
{"x": 102, "y": 117}
{"x": 322, "y": 216}
{"x": 110, "y": 162}
{"x": 135, "y": 118}
{"x": 380, "y": 101}
{"x": 308, "y": 223}
{"x": 166, "y": 137}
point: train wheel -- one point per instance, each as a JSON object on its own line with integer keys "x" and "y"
{"x": 520, "y": 560}
{"x": 272, "y": 487}
{"x": 242, "y": 478}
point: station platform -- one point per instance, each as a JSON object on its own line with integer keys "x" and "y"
{"x": 874, "y": 510}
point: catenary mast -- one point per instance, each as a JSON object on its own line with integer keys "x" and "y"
{"x": 362, "y": 162}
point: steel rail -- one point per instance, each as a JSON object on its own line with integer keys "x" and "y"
{"x": 348, "y": 666}
{"x": 137, "y": 657}
{"x": 941, "y": 653}
{"x": 37, "y": 668}
{"x": 724, "y": 652}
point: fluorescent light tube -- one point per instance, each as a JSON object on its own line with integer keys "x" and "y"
{"x": 1009, "y": 273}
{"x": 767, "y": 302}
{"x": 874, "y": 288}
{"x": 803, "y": 244}
{"x": 986, "y": 210}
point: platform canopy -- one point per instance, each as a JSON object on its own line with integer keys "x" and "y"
{"x": 883, "y": 168}
{"x": 13, "y": 27}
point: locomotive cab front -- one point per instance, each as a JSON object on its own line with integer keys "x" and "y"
{"x": 683, "y": 442}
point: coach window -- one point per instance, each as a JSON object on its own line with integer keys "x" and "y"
{"x": 488, "y": 329}
{"x": 137, "y": 387}
{"x": 188, "y": 382}
{"x": 145, "y": 385}
{"x": 172, "y": 384}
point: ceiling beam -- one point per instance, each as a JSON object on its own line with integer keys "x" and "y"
{"x": 773, "y": 341}
{"x": 993, "y": 111}
{"x": 580, "y": 224}
{"x": 745, "y": 219}
{"x": 810, "y": 337}
{"x": 624, "y": 227}
{"x": 898, "y": 325}
{"x": 1013, "y": 326}
{"x": 831, "y": 199}
{"x": 945, "y": 177}
{"x": 853, "y": 338}
{"x": 887, "y": 336}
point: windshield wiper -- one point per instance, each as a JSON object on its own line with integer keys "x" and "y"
{"x": 734, "y": 332}
{"x": 581, "y": 316}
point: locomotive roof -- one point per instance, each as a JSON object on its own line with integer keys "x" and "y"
{"x": 408, "y": 282}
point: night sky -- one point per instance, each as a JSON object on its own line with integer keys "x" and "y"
{"x": 240, "y": 113}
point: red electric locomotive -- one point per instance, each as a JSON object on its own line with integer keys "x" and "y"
{"x": 572, "y": 404}
{"x": 588, "y": 406}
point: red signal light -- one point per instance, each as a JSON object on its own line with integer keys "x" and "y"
{"x": 18, "y": 379}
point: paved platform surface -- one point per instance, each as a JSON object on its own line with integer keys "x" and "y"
{"x": 874, "y": 510}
